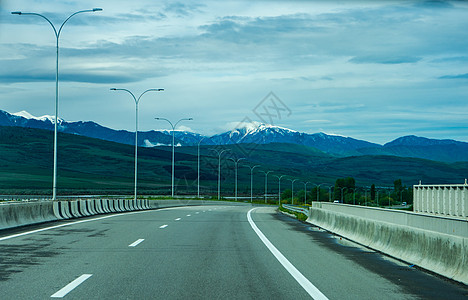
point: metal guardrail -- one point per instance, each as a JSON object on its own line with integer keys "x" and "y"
{"x": 296, "y": 208}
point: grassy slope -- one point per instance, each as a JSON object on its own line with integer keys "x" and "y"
{"x": 89, "y": 165}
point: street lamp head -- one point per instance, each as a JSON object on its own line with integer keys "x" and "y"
{"x": 190, "y": 119}
{"x": 97, "y": 9}
{"x": 158, "y": 118}
{"x": 113, "y": 89}
{"x": 160, "y": 90}
{"x": 16, "y": 13}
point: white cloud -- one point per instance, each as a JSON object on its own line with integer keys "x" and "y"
{"x": 337, "y": 62}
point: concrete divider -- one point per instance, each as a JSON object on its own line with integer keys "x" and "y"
{"x": 110, "y": 204}
{"x": 119, "y": 205}
{"x": 56, "y": 209}
{"x": 434, "y": 250}
{"x": 83, "y": 208}
{"x": 90, "y": 207}
{"x": 98, "y": 205}
{"x": 20, "y": 214}
{"x": 65, "y": 209}
{"x": 139, "y": 205}
{"x": 105, "y": 205}
{"x": 126, "y": 205}
{"x": 74, "y": 209}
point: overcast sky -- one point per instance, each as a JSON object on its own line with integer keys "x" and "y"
{"x": 369, "y": 70}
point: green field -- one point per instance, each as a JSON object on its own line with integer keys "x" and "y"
{"x": 92, "y": 166}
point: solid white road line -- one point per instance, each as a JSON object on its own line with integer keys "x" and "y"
{"x": 301, "y": 279}
{"x": 135, "y": 243}
{"x": 72, "y": 285}
{"x": 164, "y": 226}
{"x": 178, "y": 219}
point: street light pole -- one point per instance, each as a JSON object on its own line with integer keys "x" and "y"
{"x": 318, "y": 191}
{"x": 266, "y": 183}
{"x": 292, "y": 189}
{"x": 342, "y": 188}
{"x": 279, "y": 188}
{"x": 57, "y": 35}
{"x": 219, "y": 170}
{"x": 236, "y": 162}
{"x": 251, "y": 181}
{"x": 137, "y": 100}
{"x": 305, "y": 192}
{"x": 198, "y": 177}
{"x": 173, "y": 140}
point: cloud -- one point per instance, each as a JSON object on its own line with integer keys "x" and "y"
{"x": 181, "y": 9}
{"x": 459, "y": 76}
{"x": 384, "y": 59}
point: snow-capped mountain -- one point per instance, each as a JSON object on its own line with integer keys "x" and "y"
{"x": 265, "y": 134}
{"x": 89, "y": 129}
{"x": 255, "y": 133}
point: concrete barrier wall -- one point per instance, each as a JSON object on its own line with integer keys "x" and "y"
{"x": 449, "y": 200}
{"x": 437, "y": 223}
{"x": 19, "y": 214}
{"x": 386, "y": 231}
{"x": 14, "y": 215}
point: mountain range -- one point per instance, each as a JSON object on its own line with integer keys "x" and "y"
{"x": 408, "y": 146}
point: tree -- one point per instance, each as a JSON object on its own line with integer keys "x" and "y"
{"x": 372, "y": 192}
{"x": 343, "y": 185}
{"x": 398, "y": 186}
{"x": 286, "y": 194}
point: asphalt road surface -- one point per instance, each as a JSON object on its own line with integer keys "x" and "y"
{"x": 204, "y": 252}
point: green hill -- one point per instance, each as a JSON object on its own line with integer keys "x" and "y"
{"x": 93, "y": 166}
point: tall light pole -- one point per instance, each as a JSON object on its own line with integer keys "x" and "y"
{"x": 57, "y": 35}
{"x": 318, "y": 191}
{"x": 236, "y": 162}
{"x": 354, "y": 195}
{"x": 305, "y": 192}
{"x": 279, "y": 188}
{"x": 292, "y": 189}
{"x": 342, "y": 188}
{"x": 266, "y": 183}
{"x": 173, "y": 139}
{"x": 219, "y": 170}
{"x": 198, "y": 177}
{"x": 251, "y": 181}
{"x": 137, "y": 101}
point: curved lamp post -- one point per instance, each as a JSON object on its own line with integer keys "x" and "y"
{"x": 173, "y": 129}
{"x": 266, "y": 183}
{"x": 57, "y": 35}
{"x": 251, "y": 181}
{"x": 236, "y": 162}
{"x": 219, "y": 170}
{"x": 279, "y": 188}
{"x": 137, "y": 100}
{"x": 292, "y": 189}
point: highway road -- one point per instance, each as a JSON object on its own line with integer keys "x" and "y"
{"x": 202, "y": 252}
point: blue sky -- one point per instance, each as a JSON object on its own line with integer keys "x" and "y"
{"x": 372, "y": 70}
